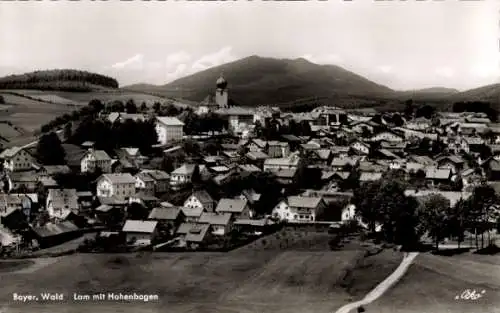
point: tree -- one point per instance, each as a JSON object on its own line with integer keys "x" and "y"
{"x": 480, "y": 210}
{"x": 117, "y": 106}
{"x": 96, "y": 105}
{"x": 457, "y": 218}
{"x": 168, "y": 164}
{"x": 157, "y": 107}
{"x": 68, "y": 131}
{"x": 2, "y": 100}
{"x": 434, "y": 215}
{"x": 144, "y": 107}
{"x": 131, "y": 107}
{"x": 49, "y": 150}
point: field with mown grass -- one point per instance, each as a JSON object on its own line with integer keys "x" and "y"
{"x": 245, "y": 280}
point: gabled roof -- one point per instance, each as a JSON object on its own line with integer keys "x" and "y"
{"x": 249, "y": 168}
{"x": 10, "y": 152}
{"x": 192, "y": 212}
{"x": 370, "y": 176}
{"x": 203, "y": 196}
{"x": 453, "y": 158}
{"x": 304, "y": 202}
{"x": 231, "y": 205}
{"x": 99, "y": 155}
{"x": 136, "y": 226}
{"x": 145, "y": 177}
{"x": 215, "y": 219}
{"x": 185, "y": 169}
{"x": 256, "y": 155}
{"x": 56, "y": 169}
{"x": 55, "y": 229}
{"x": 169, "y": 121}
{"x": 437, "y": 173}
{"x": 119, "y": 178}
{"x": 63, "y": 198}
{"x": 197, "y": 233}
{"x": 169, "y": 214}
{"x": 157, "y": 174}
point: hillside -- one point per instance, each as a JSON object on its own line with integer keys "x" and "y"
{"x": 489, "y": 93}
{"x": 61, "y": 79}
{"x": 256, "y": 80}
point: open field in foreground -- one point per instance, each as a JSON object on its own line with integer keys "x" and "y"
{"x": 432, "y": 284}
{"x": 252, "y": 281}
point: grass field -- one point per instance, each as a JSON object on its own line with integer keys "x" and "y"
{"x": 244, "y": 280}
{"x": 433, "y": 282}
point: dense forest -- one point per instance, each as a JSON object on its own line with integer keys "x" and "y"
{"x": 64, "y": 80}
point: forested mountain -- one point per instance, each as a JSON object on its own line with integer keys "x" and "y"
{"x": 61, "y": 79}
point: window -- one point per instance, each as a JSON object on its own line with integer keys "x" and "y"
{"x": 295, "y": 217}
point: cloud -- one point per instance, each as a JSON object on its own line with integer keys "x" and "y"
{"x": 222, "y": 56}
{"x": 444, "y": 72}
{"x": 175, "y": 59}
{"x": 136, "y": 62}
{"x": 324, "y": 59}
{"x": 385, "y": 68}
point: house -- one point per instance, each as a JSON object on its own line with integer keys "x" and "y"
{"x": 251, "y": 196}
{"x": 370, "y": 176}
{"x": 121, "y": 117}
{"x": 387, "y": 136}
{"x": 221, "y": 224}
{"x": 121, "y": 185}
{"x": 22, "y": 181}
{"x": 291, "y": 162}
{"x": 256, "y": 157}
{"x": 339, "y": 164}
{"x": 170, "y": 217}
{"x": 181, "y": 176}
{"x": 340, "y": 151}
{"x": 52, "y": 234}
{"x": 15, "y": 221}
{"x": 296, "y": 209}
{"x": 436, "y": 176}
{"x": 16, "y": 159}
{"x": 94, "y": 159}
{"x": 194, "y": 236}
{"x": 130, "y": 158}
{"x": 27, "y": 203}
{"x": 145, "y": 200}
{"x": 239, "y": 118}
{"x": 140, "y": 232}
{"x": 239, "y": 208}
{"x": 278, "y": 149}
{"x": 256, "y": 145}
{"x": 169, "y": 129}
{"x": 420, "y": 123}
{"x": 285, "y": 176}
{"x": 144, "y": 183}
{"x": 61, "y": 202}
{"x": 193, "y": 214}
{"x": 200, "y": 199}
{"x": 48, "y": 171}
{"x": 471, "y": 178}
{"x": 161, "y": 180}
{"x": 360, "y": 147}
{"x": 453, "y": 162}
{"x": 251, "y": 226}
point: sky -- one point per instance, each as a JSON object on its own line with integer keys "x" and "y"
{"x": 401, "y": 44}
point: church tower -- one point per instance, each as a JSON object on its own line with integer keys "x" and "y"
{"x": 221, "y": 95}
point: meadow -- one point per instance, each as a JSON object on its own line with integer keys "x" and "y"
{"x": 249, "y": 280}
{"x": 433, "y": 283}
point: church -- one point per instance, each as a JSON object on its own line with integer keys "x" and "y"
{"x": 218, "y": 100}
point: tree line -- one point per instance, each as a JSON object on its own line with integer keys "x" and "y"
{"x": 477, "y": 107}
{"x": 67, "y": 80}
{"x": 405, "y": 219}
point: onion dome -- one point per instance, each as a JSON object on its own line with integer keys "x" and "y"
{"x": 221, "y": 82}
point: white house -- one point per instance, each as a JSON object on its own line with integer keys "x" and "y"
{"x": 296, "y": 209}
{"x": 61, "y": 202}
{"x": 387, "y": 136}
{"x": 182, "y": 176}
{"x": 169, "y": 129}
{"x": 94, "y": 159}
{"x": 360, "y": 147}
{"x": 16, "y": 159}
{"x": 145, "y": 183}
{"x": 291, "y": 162}
{"x": 120, "y": 185}
{"x": 238, "y": 208}
{"x": 200, "y": 199}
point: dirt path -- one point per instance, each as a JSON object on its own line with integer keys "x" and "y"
{"x": 383, "y": 286}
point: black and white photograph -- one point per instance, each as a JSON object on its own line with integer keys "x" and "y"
{"x": 338, "y": 156}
